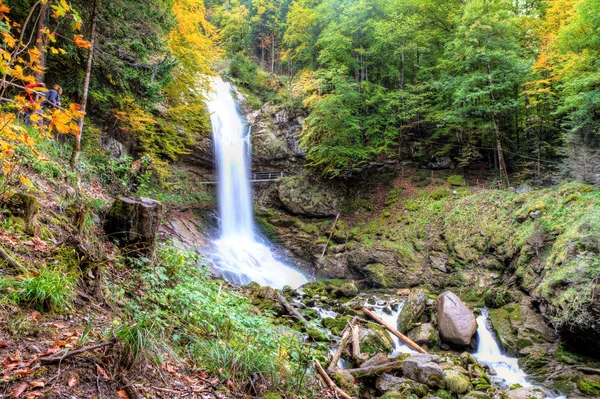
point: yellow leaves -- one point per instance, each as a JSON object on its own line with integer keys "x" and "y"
{"x": 25, "y": 180}
{"x": 64, "y": 121}
{"x": 81, "y": 43}
{"x": 61, "y": 9}
{"x": 9, "y": 39}
{"x": 17, "y": 72}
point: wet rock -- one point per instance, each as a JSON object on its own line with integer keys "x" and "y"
{"x": 456, "y": 322}
{"x": 424, "y": 334}
{"x": 518, "y": 326}
{"x": 345, "y": 381}
{"x": 525, "y": 393}
{"x": 413, "y": 309}
{"x": 456, "y": 382}
{"x": 305, "y": 197}
{"x": 387, "y": 382}
{"x": 424, "y": 369}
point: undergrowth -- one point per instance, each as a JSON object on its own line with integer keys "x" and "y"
{"x": 217, "y": 330}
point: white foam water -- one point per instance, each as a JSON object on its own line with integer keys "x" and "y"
{"x": 385, "y": 311}
{"x": 240, "y": 256}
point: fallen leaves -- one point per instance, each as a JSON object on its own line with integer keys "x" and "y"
{"x": 37, "y": 384}
{"x": 73, "y": 380}
{"x": 19, "y": 389}
{"x": 122, "y": 394}
{"x": 3, "y": 344}
{"x": 101, "y": 372}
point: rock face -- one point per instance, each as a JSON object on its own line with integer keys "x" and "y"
{"x": 302, "y": 196}
{"x": 518, "y": 326}
{"x": 134, "y": 222}
{"x": 412, "y": 310}
{"x": 456, "y": 322}
{"x": 424, "y": 369}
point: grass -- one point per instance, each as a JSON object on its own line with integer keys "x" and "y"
{"x": 51, "y": 288}
{"x": 213, "y": 328}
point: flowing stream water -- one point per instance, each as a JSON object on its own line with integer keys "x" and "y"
{"x": 241, "y": 256}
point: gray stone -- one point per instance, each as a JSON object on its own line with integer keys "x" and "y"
{"x": 424, "y": 334}
{"x": 301, "y": 196}
{"x": 525, "y": 188}
{"x": 456, "y": 322}
{"x": 387, "y": 382}
{"x": 439, "y": 263}
{"x": 441, "y": 163}
{"x": 412, "y": 310}
{"x": 535, "y": 215}
{"x": 424, "y": 369}
{"x": 525, "y": 393}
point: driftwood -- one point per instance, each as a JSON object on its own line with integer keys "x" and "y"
{"x": 359, "y": 357}
{"x": 376, "y": 360}
{"x": 330, "y": 382}
{"x": 374, "y": 370}
{"x": 343, "y": 343}
{"x": 391, "y": 329}
{"x": 10, "y": 260}
{"x": 58, "y": 359}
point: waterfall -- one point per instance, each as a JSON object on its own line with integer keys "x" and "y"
{"x": 240, "y": 256}
{"x": 489, "y": 352}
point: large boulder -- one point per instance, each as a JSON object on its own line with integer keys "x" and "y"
{"x": 525, "y": 393}
{"x": 412, "y": 310}
{"x": 134, "y": 223}
{"x": 456, "y": 322}
{"x": 305, "y": 197}
{"x": 424, "y": 369}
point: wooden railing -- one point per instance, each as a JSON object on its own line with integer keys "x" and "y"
{"x": 255, "y": 177}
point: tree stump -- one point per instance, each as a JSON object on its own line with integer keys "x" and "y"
{"x": 134, "y": 223}
{"x": 26, "y": 207}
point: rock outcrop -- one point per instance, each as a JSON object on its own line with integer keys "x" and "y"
{"x": 302, "y": 196}
{"x": 456, "y": 322}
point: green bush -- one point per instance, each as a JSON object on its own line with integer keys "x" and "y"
{"x": 456, "y": 180}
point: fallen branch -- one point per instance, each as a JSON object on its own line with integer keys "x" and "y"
{"x": 58, "y": 359}
{"x": 336, "y": 357}
{"x": 359, "y": 357}
{"x": 589, "y": 370}
{"x": 330, "y": 235}
{"x": 330, "y": 382}
{"x": 374, "y": 370}
{"x": 10, "y": 260}
{"x": 391, "y": 329}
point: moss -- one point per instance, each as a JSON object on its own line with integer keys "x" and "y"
{"x": 318, "y": 334}
{"x": 378, "y": 274}
{"x": 456, "y": 180}
{"x": 439, "y": 194}
{"x": 589, "y": 386}
{"x": 267, "y": 229}
{"x": 376, "y": 340}
{"x": 271, "y": 395}
{"x": 456, "y": 382}
{"x": 394, "y": 395}
{"x": 443, "y": 394}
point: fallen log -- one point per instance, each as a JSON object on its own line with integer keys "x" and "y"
{"x": 345, "y": 336}
{"x": 58, "y": 359}
{"x": 329, "y": 381}
{"x": 391, "y": 329}
{"x": 374, "y": 370}
{"x": 359, "y": 357}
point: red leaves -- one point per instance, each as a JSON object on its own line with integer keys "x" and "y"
{"x": 3, "y": 344}
{"x": 122, "y": 394}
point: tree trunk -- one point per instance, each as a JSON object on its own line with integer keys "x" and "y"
{"x": 86, "y": 84}
{"x": 501, "y": 164}
{"x": 40, "y": 42}
{"x": 402, "y": 66}
{"x": 273, "y": 54}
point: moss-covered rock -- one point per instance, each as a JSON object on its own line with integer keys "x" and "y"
{"x": 456, "y": 382}
{"x": 456, "y": 180}
{"x": 302, "y": 196}
{"x": 412, "y": 310}
{"x": 374, "y": 340}
{"x": 589, "y": 386}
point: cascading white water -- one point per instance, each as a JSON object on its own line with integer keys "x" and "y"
{"x": 390, "y": 316}
{"x": 240, "y": 257}
{"x": 489, "y": 352}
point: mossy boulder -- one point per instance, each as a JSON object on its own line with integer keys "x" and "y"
{"x": 476, "y": 395}
{"x": 425, "y": 335}
{"x": 395, "y": 395}
{"x": 412, "y": 310}
{"x": 456, "y": 382}
{"x": 590, "y": 386}
{"x": 456, "y": 180}
{"x": 388, "y": 382}
{"x": 374, "y": 340}
{"x": 26, "y": 207}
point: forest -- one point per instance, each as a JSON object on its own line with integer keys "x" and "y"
{"x": 420, "y": 179}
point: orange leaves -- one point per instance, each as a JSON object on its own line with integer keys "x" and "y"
{"x": 64, "y": 121}
{"x": 81, "y": 43}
